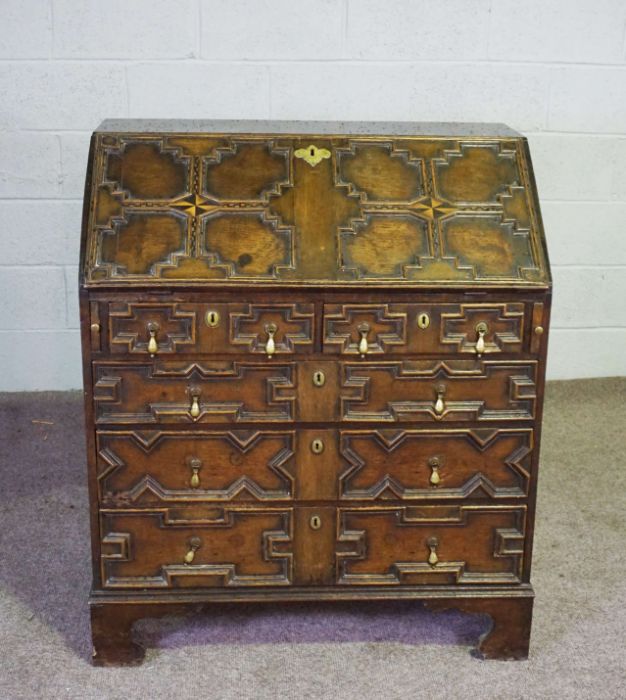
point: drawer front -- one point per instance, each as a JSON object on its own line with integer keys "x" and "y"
{"x": 434, "y": 464}
{"x": 378, "y": 329}
{"x": 431, "y": 390}
{"x": 146, "y": 468}
{"x": 311, "y": 545}
{"x": 390, "y": 391}
{"x": 211, "y": 392}
{"x": 211, "y": 548}
{"x": 141, "y": 328}
{"x": 430, "y": 545}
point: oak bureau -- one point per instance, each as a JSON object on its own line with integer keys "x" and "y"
{"x": 314, "y": 359}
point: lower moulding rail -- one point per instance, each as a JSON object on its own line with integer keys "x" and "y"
{"x": 510, "y": 610}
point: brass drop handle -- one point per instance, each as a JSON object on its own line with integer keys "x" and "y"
{"x": 194, "y": 409}
{"x": 440, "y": 405}
{"x": 195, "y": 465}
{"x": 433, "y": 543}
{"x": 364, "y": 329}
{"x": 194, "y": 545}
{"x": 153, "y": 346}
{"x": 434, "y": 464}
{"x": 481, "y": 329}
{"x": 270, "y": 345}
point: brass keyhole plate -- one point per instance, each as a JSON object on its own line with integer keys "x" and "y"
{"x": 312, "y": 154}
{"x": 317, "y": 446}
{"x": 319, "y": 378}
{"x": 212, "y": 318}
{"x": 423, "y": 321}
{"x": 315, "y": 522}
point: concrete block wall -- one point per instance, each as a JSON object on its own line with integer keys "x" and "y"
{"x": 553, "y": 69}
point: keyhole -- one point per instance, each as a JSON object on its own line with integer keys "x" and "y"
{"x": 315, "y": 522}
{"x": 319, "y": 378}
{"x": 212, "y": 319}
{"x": 317, "y": 446}
{"x": 423, "y": 321}
{"x": 312, "y": 151}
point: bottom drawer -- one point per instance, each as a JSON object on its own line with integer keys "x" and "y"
{"x": 311, "y": 545}
{"x": 430, "y": 545}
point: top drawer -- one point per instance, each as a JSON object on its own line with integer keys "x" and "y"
{"x": 476, "y": 328}
{"x": 165, "y": 328}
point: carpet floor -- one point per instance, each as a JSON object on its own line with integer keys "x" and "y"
{"x": 392, "y": 650}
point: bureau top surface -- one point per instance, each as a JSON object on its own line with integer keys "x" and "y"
{"x": 370, "y": 204}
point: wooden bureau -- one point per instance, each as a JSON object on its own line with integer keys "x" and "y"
{"x": 314, "y": 360}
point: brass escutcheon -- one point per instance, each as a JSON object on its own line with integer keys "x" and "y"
{"x": 212, "y": 318}
{"x": 423, "y": 321}
{"x": 312, "y": 154}
{"x": 315, "y": 522}
{"x": 319, "y": 378}
{"x": 317, "y": 446}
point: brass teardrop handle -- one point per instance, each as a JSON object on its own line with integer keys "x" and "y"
{"x": 195, "y": 465}
{"x": 153, "y": 346}
{"x": 364, "y": 329}
{"x": 433, "y": 543}
{"x": 194, "y": 409}
{"x": 481, "y": 329}
{"x": 194, "y": 545}
{"x": 434, "y": 464}
{"x": 440, "y": 406}
{"x": 270, "y": 345}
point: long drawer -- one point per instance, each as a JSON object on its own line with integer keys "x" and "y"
{"x": 144, "y": 468}
{"x": 244, "y": 546}
{"x": 314, "y": 391}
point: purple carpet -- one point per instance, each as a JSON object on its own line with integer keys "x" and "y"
{"x": 45, "y": 555}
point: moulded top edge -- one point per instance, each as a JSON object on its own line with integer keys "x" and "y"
{"x": 252, "y": 126}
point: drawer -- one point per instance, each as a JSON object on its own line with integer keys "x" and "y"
{"x": 242, "y": 546}
{"x": 144, "y": 468}
{"x": 430, "y": 545}
{"x": 416, "y": 328}
{"x": 168, "y": 328}
{"x": 188, "y": 392}
{"x": 418, "y": 464}
{"x": 141, "y": 468}
{"x": 205, "y": 547}
{"x": 433, "y": 390}
{"x": 324, "y": 391}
